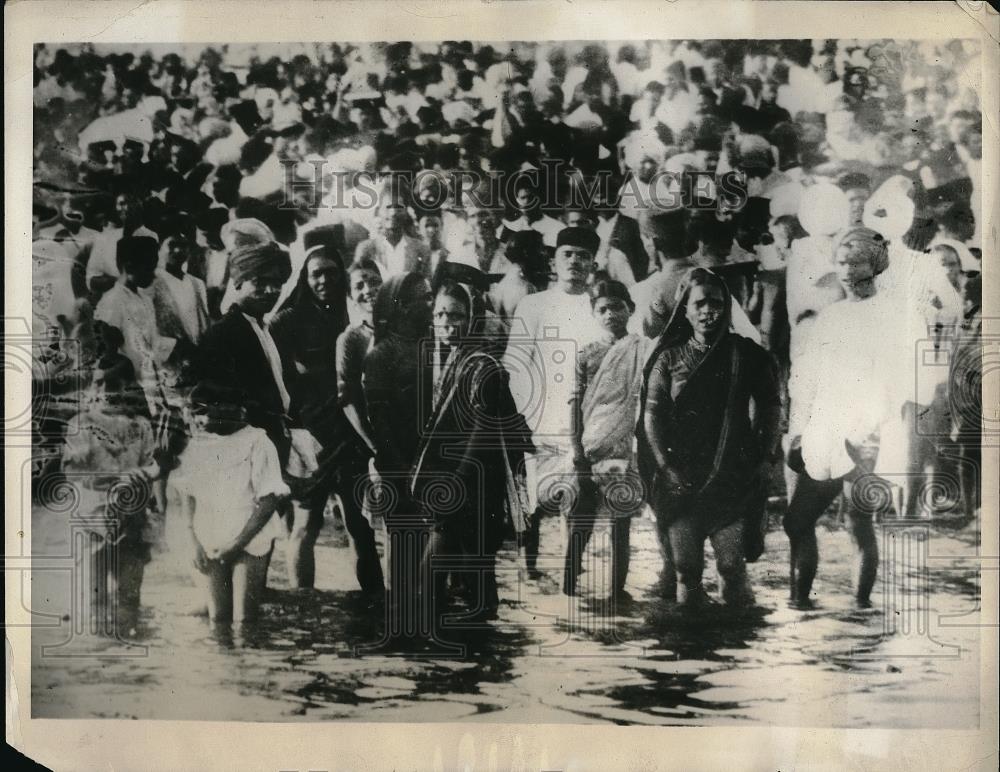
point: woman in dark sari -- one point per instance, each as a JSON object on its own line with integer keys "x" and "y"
{"x": 305, "y": 330}
{"x": 703, "y": 453}
{"x": 398, "y": 404}
{"x": 465, "y": 476}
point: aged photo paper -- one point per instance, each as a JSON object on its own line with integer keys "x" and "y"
{"x": 501, "y": 385}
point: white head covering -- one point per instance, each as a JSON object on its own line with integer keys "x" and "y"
{"x": 824, "y": 210}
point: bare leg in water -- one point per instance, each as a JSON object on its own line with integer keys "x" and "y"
{"x": 862, "y": 528}
{"x": 810, "y": 500}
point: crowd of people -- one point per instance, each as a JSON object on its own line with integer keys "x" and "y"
{"x": 458, "y": 287}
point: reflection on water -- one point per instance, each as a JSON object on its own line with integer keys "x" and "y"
{"x": 547, "y": 659}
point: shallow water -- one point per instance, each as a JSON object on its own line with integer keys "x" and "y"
{"x": 547, "y": 658}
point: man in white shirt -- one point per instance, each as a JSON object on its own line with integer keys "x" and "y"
{"x": 547, "y": 330}
{"x": 531, "y": 217}
{"x": 102, "y": 266}
{"x": 126, "y": 307}
{"x": 392, "y": 248}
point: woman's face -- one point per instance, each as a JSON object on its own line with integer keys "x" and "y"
{"x": 704, "y": 310}
{"x": 323, "y": 279}
{"x": 451, "y": 318}
{"x": 365, "y": 285}
{"x": 415, "y": 307}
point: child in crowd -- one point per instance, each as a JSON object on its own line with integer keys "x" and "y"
{"x": 604, "y": 407}
{"x": 230, "y": 479}
{"x": 108, "y": 457}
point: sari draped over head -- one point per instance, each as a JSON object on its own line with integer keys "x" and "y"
{"x": 714, "y": 448}
{"x": 387, "y": 316}
{"x": 306, "y": 332}
{"x": 468, "y": 468}
{"x": 392, "y": 381}
{"x": 611, "y": 401}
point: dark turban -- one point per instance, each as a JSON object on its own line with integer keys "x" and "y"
{"x": 251, "y": 260}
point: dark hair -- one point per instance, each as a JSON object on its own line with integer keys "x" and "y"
{"x": 452, "y": 289}
{"x": 612, "y": 290}
{"x": 364, "y": 264}
{"x": 702, "y": 277}
{"x": 791, "y": 222}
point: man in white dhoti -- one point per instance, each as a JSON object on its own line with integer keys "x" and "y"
{"x": 547, "y": 330}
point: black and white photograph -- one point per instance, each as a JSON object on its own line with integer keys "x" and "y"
{"x": 622, "y": 382}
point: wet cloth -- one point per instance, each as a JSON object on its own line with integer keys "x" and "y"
{"x": 227, "y": 475}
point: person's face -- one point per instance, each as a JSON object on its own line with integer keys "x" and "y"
{"x": 951, "y": 264}
{"x": 524, "y": 199}
{"x": 485, "y": 225}
{"x": 768, "y": 93}
{"x": 782, "y": 238}
{"x": 857, "y": 197}
{"x": 704, "y": 309}
{"x": 258, "y": 295}
{"x": 577, "y": 219}
{"x": 365, "y": 285}
{"x": 322, "y": 277}
{"x": 450, "y": 317}
{"x": 974, "y": 144}
{"x": 176, "y": 251}
{"x": 646, "y": 170}
{"x": 125, "y": 209}
{"x": 416, "y": 306}
{"x": 141, "y": 273}
{"x": 612, "y": 315}
{"x": 391, "y": 217}
{"x": 573, "y": 265}
{"x": 854, "y": 268}
{"x": 430, "y": 229}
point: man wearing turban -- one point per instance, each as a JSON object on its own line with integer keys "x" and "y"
{"x": 843, "y": 398}
{"x": 238, "y": 351}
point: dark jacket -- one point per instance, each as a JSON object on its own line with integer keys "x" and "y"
{"x": 231, "y": 354}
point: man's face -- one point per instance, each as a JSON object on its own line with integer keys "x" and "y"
{"x": 175, "y": 251}
{"x": 854, "y": 268}
{"x": 524, "y": 199}
{"x": 430, "y": 229}
{"x": 857, "y": 197}
{"x": 450, "y": 317}
{"x": 578, "y": 219}
{"x": 768, "y": 93}
{"x": 391, "y": 217}
{"x": 612, "y": 315}
{"x": 258, "y": 295}
{"x": 141, "y": 272}
{"x": 485, "y": 224}
{"x": 365, "y": 285}
{"x": 125, "y": 209}
{"x": 573, "y": 265}
{"x": 646, "y": 170}
{"x": 974, "y": 144}
{"x": 321, "y": 276}
{"x": 704, "y": 309}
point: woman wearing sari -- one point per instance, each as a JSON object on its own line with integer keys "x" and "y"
{"x": 305, "y": 331}
{"x": 465, "y": 473}
{"x": 703, "y": 452}
{"x": 398, "y": 404}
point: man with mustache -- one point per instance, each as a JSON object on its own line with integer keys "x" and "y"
{"x": 546, "y": 331}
